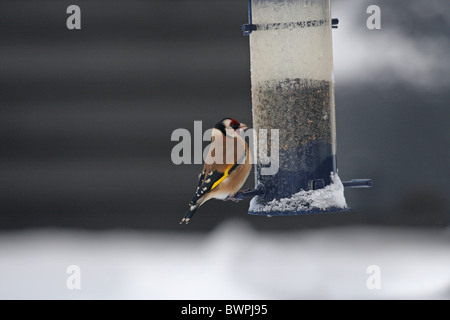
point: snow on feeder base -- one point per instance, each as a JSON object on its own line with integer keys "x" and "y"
{"x": 293, "y": 91}
{"x": 326, "y": 200}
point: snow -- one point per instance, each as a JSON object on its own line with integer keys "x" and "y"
{"x": 232, "y": 262}
{"x": 332, "y": 196}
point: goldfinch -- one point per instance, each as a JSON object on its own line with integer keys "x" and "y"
{"x": 226, "y": 167}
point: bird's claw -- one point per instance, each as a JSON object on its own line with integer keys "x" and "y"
{"x": 240, "y": 193}
{"x": 185, "y": 220}
{"x": 233, "y": 199}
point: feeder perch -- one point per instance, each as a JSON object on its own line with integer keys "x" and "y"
{"x": 293, "y": 92}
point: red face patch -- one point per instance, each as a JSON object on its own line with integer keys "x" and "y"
{"x": 234, "y": 124}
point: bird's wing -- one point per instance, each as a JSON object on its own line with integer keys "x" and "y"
{"x": 209, "y": 180}
{"x": 224, "y": 156}
{"x": 216, "y": 169}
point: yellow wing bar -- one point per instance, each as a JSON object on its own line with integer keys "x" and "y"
{"x": 225, "y": 175}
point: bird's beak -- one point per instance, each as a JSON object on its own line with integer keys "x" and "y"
{"x": 243, "y": 127}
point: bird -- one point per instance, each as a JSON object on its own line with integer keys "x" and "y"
{"x": 226, "y": 166}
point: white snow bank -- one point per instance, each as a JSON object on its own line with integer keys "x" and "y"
{"x": 332, "y": 196}
{"x": 233, "y": 262}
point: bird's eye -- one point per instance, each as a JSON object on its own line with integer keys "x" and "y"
{"x": 234, "y": 124}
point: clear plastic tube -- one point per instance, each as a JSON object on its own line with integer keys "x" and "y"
{"x": 293, "y": 91}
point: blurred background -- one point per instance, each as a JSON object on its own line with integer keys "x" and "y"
{"x": 86, "y": 177}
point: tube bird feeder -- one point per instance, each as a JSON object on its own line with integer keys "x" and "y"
{"x": 293, "y": 93}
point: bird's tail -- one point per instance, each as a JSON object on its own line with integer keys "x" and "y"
{"x": 188, "y": 216}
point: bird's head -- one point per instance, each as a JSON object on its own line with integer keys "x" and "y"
{"x": 230, "y": 125}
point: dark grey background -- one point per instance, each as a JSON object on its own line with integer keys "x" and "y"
{"x": 86, "y": 116}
